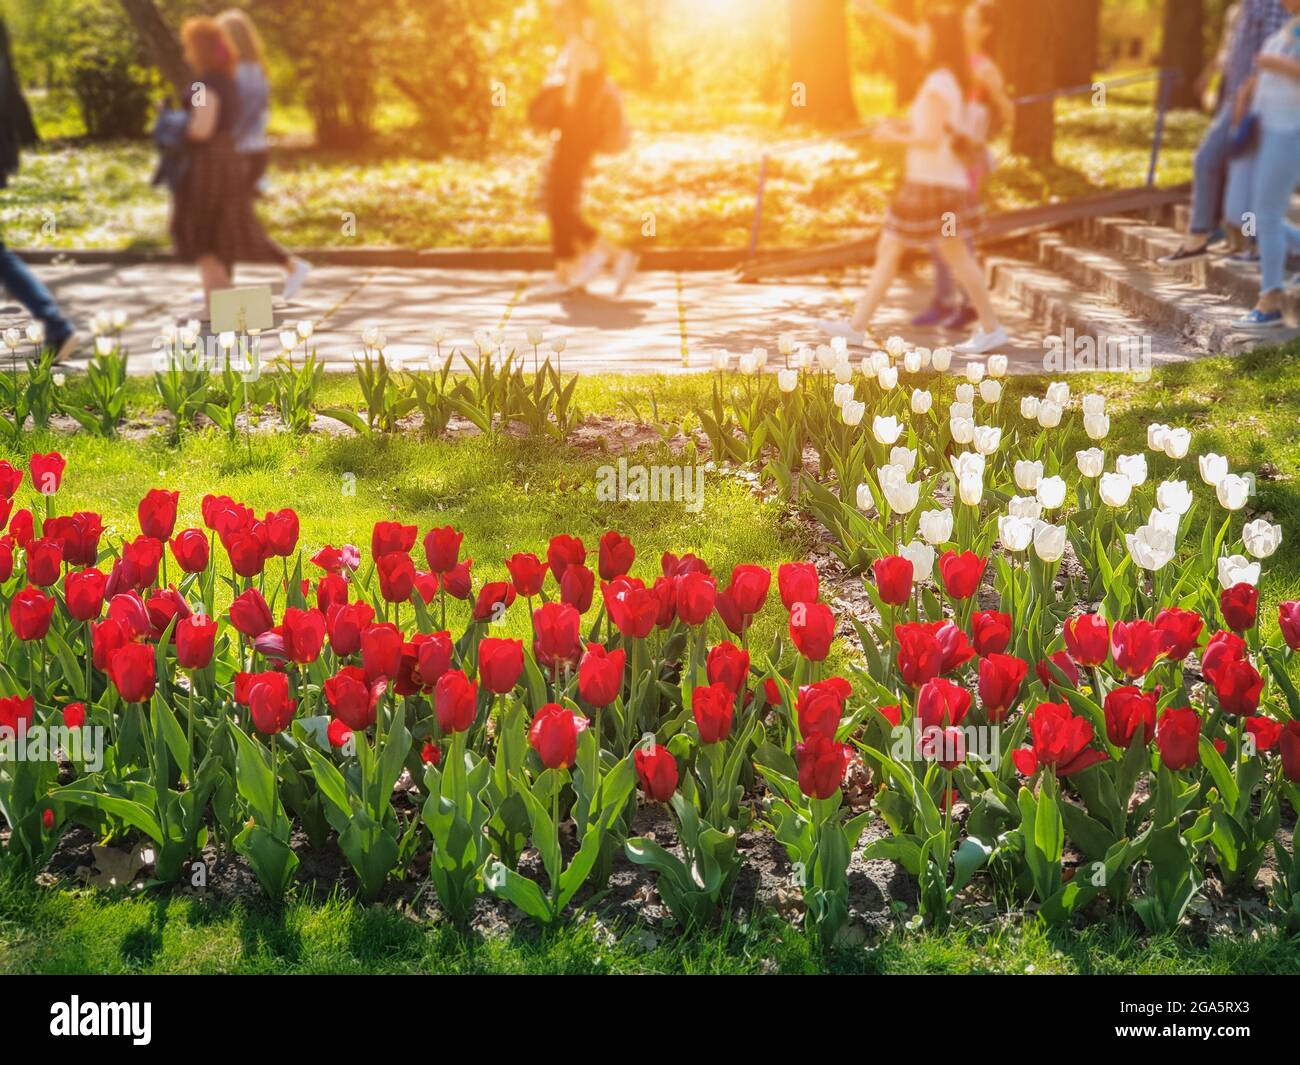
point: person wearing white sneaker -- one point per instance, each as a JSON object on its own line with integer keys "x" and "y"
{"x": 936, "y": 205}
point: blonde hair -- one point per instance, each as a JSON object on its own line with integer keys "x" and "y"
{"x": 244, "y": 35}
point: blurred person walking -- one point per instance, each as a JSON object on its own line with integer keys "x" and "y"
{"x": 17, "y": 131}
{"x": 1256, "y": 21}
{"x": 583, "y": 112}
{"x": 1264, "y": 177}
{"x": 213, "y": 223}
{"x": 936, "y": 206}
{"x": 254, "y": 88}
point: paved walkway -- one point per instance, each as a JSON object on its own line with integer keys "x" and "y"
{"x": 666, "y": 322}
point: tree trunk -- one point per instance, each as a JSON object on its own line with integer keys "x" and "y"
{"x": 1032, "y": 32}
{"x": 1080, "y": 43}
{"x": 161, "y": 44}
{"x": 1184, "y": 48}
{"x": 821, "y": 90}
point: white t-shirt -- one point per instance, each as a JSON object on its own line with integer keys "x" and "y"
{"x": 1277, "y": 96}
{"x": 937, "y": 110}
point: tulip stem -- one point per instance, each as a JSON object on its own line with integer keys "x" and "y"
{"x": 189, "y": 729}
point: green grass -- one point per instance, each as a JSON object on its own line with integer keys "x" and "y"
{"x": 685, "y": 184}
{"x": 76, "y": 931}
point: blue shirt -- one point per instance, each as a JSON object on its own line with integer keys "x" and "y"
{"x": 1259, "y": 20}
{"x": 254, "y": 108}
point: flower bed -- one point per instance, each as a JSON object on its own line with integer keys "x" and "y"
{"x": 1102, "y": 738}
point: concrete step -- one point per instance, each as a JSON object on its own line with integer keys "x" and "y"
{"x": 1144, "y": 242}
{"x": 1071, "y": 312}
{"x": 1203, "y": 319}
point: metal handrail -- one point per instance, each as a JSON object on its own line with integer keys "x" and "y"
{"x": 1168, "y": 78}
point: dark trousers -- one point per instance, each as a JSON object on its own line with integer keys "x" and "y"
{"x": 564, "y": 180}
{"x": 255, "y": 163}
{"x": 27, "y": 289}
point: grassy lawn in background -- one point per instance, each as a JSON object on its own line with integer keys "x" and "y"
{"x": 696, "y": 182}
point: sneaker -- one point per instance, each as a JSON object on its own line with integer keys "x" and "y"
{"x": 1258, "y": 319}
{"x": 983, "y": 342}
{"x": 839, "y": 327}
{"x": 550, "y": 289}
{"x": 65, "y": 347}
{"x": 961, "y": 317}
{"x": 297, "y": 278}
{"x": 624, "y": 271}
{"x": 1249, "y": 256}
{"x": 932, "y": 315}
{"x": 590, "y": 268}
{"x": 1183, "y": 255}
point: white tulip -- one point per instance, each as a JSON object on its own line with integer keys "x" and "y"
{"x": 1029, "y": 408}
{"x": 921, "y": 555}
{"x": 997, "y": 366}
{"x": 1177, "y": 443}
{"x": 785, "y": 344}
{"x": 36, "y": 333}
{"x": 842, "y": 394}
{"x": 895, "y": 345}
{"x": 1151, "y": 548}
{"x": 1134, "y": 467}
{"x": 902, "y": 497}
{"x": 1214, "y": 468}
{"x": 307, "y": 328}
{"x": 1115, "y": 489}
{"x": 843, "y": 371}
{"x": 1233, "y": 491}
{"x": 1028, "y": 472}
{"x": 1174, "y": 496}
{"x": 804, "y": 358}
{"x": 787, "y": 380}
{"x": 964, "y": 393}
{"x": 1097, "y": 426}
{"x": 288, "y": 339}
{"x": 1058, "y": 392}
{"x": 1025, "y": 507}
{"x": 1051, "y": 492}
{"x": 912, "y": 362}
{"x": 941, "y": 359}
{"x": 852, "y": 412}
{"x": 1049, "y": 541}
{"x": 1261, "y": 538}
{"x": 722, "y": 360}
{"x": 868, "y": 368}
{"x": 990, "y": 390}
{"x": 1238, "y": 569}
{"x": 970, "y": 489}
{"x": 936, "y": 526}
{"x": 904, "y": 457}
{"x": 1094, "y": 403}
{"x": 840, "y": 345}
{"x": 1164, "y": 519}
{"x": 974, "y": 372}
{"x": 59, "y": 380}
{"x": 748, "y": 364}
{"x": 962, "y": 430}
{"x": 1156, "y": 434}
{"x": 1015, "y": 534}
{"x": 1049, "y": 414}
{"x": 887, "y": 378}
{"x": 921, "y": 401}
{"x": 966, "y": 463}
{"x": 826, "y": 357}
{"x": 865, "y": 500}
{"x": 534, "y": 335}
{"x": 886, "y": 430}
{"x": 961, "y": 410}
{"x": 987, "y": 439}
{"x": 924, "y": 355}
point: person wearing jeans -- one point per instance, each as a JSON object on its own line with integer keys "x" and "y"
{"x": 27, "y": 289}
{"x": 1258, "y": 20}
{"x": 1264, "y": 181}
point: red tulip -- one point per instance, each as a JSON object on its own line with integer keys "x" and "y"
{"x": 494, "y": 600}
{"x": 940, "y": 703}
{"x": 554, "y": 736}
{"x": 250, "y": 615}
{"x": 820, "y": 706}
{"x": 798, "y": 583}
{"x": 331, "y": 591}
{"x": 455, "y": 701}
{"x": 44, "y": 561}
{"x": 713, "y": 708}
{"x": 390, "y": 536}
{"x": 247, "y": 553}
{"x": 557, "y": 641}
{"x": 956, "y": 649}
{"x": 500, "y": 664}
{"x": 10, "y": 478}
{"x": 1130, "y": 712}
{"x": 990, "y": 631}
{"x": 345, "y": 624}
{"x": 1238, "y": 685}
{"x": 893, "y": 579}
{"x": 442, "y": 548}
{"x": 1289, "y": 749}
{"x": 106, "y": 637}
{"x": 920, "y": 658}
{"x": 1000, "y": 678}
{"x": 269, "y": 703}
{"x": 744, "y": 597}
{"x": 29, "y": 614}
{"x": 672, "y": 566}
{"x": 338, "y": 732}
{"x": 656, "y": 768}
{"x": 131, "y": 669}
{"x": 945, "y": 745}
{"x": 16, "y": 712}
{"x": 431, "y": 754}
{"x": 1265, "y": 731}
{"x": 961, "y": 573}
{"x": 353, "y": 699}
{"x": 142, "y": 557}
{"x": 577, "y": 587}
{"x": 396, "y": 576}
{"x": 426, "y": 585}
{"x": 129, "y": 611}
{"x": 381, "y": 651}
{"x": 22, "y": 527}
{"x": 281, "y": 533}
{"x": 528, "y": 573}
{"x": 893, "y": 713}
{"x": 616, "y": 556}
{"x": 83, "y": 592}
{"x": 1288, "y": 617}
{"x": 1135, "y": 646}
{"x": 822, "y": 764}
{"x": 47, "y": 472}
{"x": 1181, "y": 630}
{"x": 1060, "y": 662}
{"x": 190, "y": 549}
{"x": 157, "y": 513}
{"x": 6, "y": 558}
{"x": 1062, "y": 740}
{"x": 165, "y": 605}
{"x": 304, "y": 635}
{"x": 600, "y": 675}
{"x": 195, "y": 637}
{"x": 432, "y": 659}
{"x": 1178, "y": 737}
{"x": 696, "y": 595}
{"x": 337, "y": 559}
{"x": 812, "y": 627}
{"x": 727, "y": 664}
{"x": 564, "y": 551}
{"x": 632, "y": 607}
{"x": 1224, "y": 647}
{"x": 1087, "y": 638}
{"x": 1239, "y": 605}
{"x": 74, "y": 715}
{"x": 664, "y": 593}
